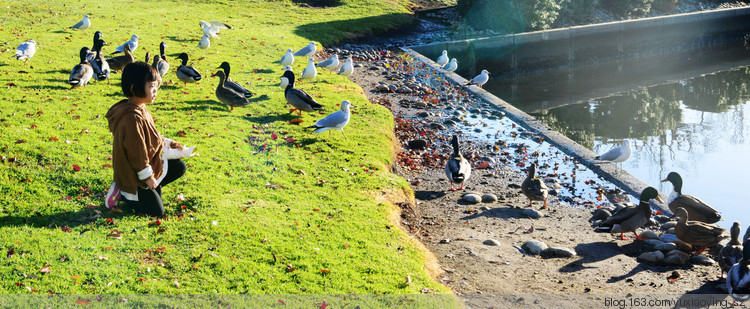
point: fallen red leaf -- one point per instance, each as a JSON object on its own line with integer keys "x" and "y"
{"x": 160, "y": 250}
{"x": 76, "y": 168}
{"x": 325, "y": 271}
{"x": 11, "y": 251}
{"x": 274, "y": 136}
{"x": 45, "y": 269}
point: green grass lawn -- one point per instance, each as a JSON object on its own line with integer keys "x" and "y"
{"x": 295, "y": 214}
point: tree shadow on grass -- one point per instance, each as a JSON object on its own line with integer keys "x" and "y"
{"x": 330, "y": 32}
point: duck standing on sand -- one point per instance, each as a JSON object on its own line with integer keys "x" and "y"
{"x": 457, "y": 168}
{"x": 697, "y": 209}
{"x": 731, "y": 253}
{"x": 534, "y": 188}
{"x": 696, "y": 233}
{"x": 629, "y": 219}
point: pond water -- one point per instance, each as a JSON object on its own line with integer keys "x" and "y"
{"x": 686, "y": 115}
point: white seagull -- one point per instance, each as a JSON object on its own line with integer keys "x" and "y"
{"x": 84, "y": 24}
{"x": 451, "y": 66}
{"x": 213, "y": 27}
{"x": 617, "y": 154}
{"x": 330, "y": 63}
{"x": 337, "y": 120}
{"x": 310, "y": 71}
{"x": 288, "y": 58}
{"x": 348, "y": 68}
{"x": 443, "y": 59}
{"x": 480, "y": 79}
{"x": 284, "y": 80}
{"x": 205, "y": 42}
{"x": 307, "y": 51}
{"x": 133, "y": 43}
{"x": 25, "y": 51}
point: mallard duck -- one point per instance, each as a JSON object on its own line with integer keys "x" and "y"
{"x": 185, "y": 73}
{"x": 330, "y": 63}
{"x": 451, "y": 66}
{"x": 310, "y": 71}
{"x": 25, "y": 51}
{"x": 697, "y": 209}
{"x": 232, "y": 85}
{"x": 205, "y": 42}
{"x": 301, "y": 100}
{"x": 534, "y": 188}
{"x": 731, "y": 253}
{"x": 480, "y": 79}
{"x": 132, "y": 43}
{"x": 457, "y": 168}
{"x": 227, "y": 95}
{"x": 696, "y": 233}
{"x": 307, "y": 51}
{"x": 288, "y": 58}
{"x": 160, "y": 61}
{"x": 348, "y": 68}
{"x": 336, "y": 120}
{"x": 212, "y": 28}
{"x": 738, "y": 277}
{"x": 82, "y": 72}
{"x": 83, "y": 24}
{"x": 118, "y": 63}
{"x": 443, "y": 59}
{"x": 96, "y": 59}
{"x": 630, "y": 218}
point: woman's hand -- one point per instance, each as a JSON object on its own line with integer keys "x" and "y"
{"x": 151, "y": 183}
{"x": 175, "y": 144}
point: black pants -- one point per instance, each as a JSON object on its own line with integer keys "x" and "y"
{"x": 149, "y": 201}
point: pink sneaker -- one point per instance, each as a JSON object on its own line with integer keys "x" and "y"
{"x": 113, "y": 196}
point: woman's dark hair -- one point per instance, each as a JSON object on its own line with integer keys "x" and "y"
{"x": 135, "y": 76}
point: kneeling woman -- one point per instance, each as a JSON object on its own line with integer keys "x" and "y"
{"x": 140, "y": 171}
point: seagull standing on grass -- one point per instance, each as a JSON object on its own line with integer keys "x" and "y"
{"x": 443, "y": 59}
{"x": 337, "y": 120}
{"x": 480, "y": 79}
{"x": 307, "y": 51}
{"x": 84, "y": 24}
{"x": 617, "y": 154}
{"x": 25, "y": 51}
{"x": 212, "y": 28}
{"x": 288, "y": 58}
{"x": 348, "y": 68}
{"x": 133, "y": 43}
{"x": 205, "y": 42}
{"x": 330, "y": 63}
{"x": 310, "y": 71}
{"x": 451, "y": 66}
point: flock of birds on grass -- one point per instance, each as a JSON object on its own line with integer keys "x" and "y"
{"x": 93, "y": 65}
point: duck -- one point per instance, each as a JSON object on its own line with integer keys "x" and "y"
{"x": 212, "y": 28}
{"x": 185, "y": 73}
{"x": 348, "y": 68}
{"x": 330, "y": 63}
{"x": 288, "y": 58}
{"x": 227, "y": 95}
{"x": 118, "y": 63}
{"x": 480, "y": 79}
{"x": 738, "y": 276}
{"x": 233, "y": 85}
{"x": 83, "y": 24}
{"x": 457, "y": 168}
{"x": 443, "y": 59}
{"x": 731, "y": 253}
{"x": 451, "y": 66}
{"x": 96, "y": 59}
{"x": 284, "y": 81}
{"x": 82, "y": 72}
{"x": 337, "y": 120}
{"x": 301, "y": 100}
{"x": 534, "y": 188}
{"x": 25, "y": 51}
{"x": 205, "y": 42}
{"x": 161, "y": 63}
{"x": 617, "y": 154}
{"x": 307, "y": 51}
{"x": 132, "y": 43}
{"x": 630, "y": 218}
{"x": 697, "y": 209}
{"x": 148, "y": 57}
{"x": 696, "y": 233}
{"x": 310, "y": 71}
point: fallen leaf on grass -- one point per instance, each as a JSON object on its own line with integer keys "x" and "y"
{"x": 115, "y": 234}
{"x": 109, "y": 248}
{"x": 161, "y": 230}
{"x": 325, "y": 271}
{"x": 82, "y": 302}
{"x": 154, "y": 223}
{"x": 160, "y": 249}
{"x": 76, "y": 168}
{"x": 11, "y": 251}
{"x": 177, "y": 284}
{"x": 45, "y": 269}
{"x": 295, "y": 121}
{"x": 91, "y": 206}
{"x": 102, "y": 258}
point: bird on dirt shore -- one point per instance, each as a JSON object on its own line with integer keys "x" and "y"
{"x": 348, "y": 68}
{"x": 699, "y": 234}
{"x": 457, "y": 169}
{"x": 443, "y": 59}
{"x": 480, "y": 79}
{"x": 731, "y": 253}
{"x": 337, "y": 120}
{"x": 630, "y": 218}
{"x": 534, "y": 188}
